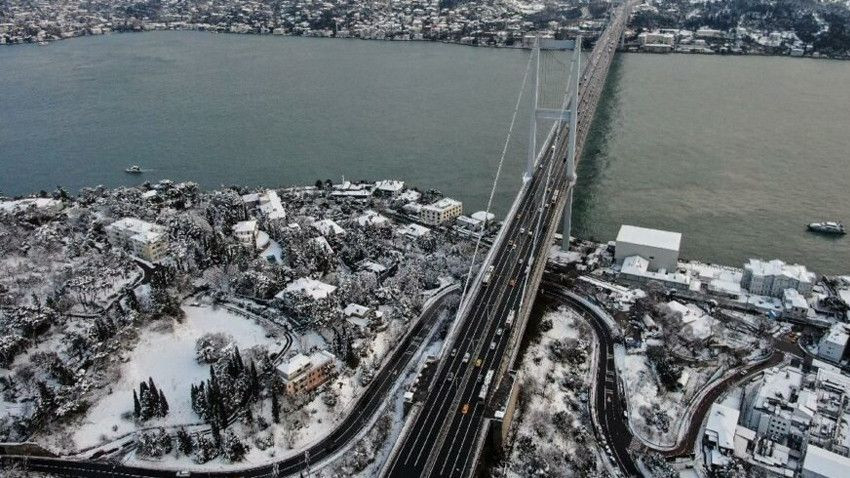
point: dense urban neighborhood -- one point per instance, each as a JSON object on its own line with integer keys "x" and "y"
{"x": 778, "y": 27}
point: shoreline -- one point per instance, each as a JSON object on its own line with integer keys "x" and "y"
{"x": 417, "y": 40}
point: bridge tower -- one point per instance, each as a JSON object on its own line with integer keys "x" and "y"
{"x": 564, "y": 111}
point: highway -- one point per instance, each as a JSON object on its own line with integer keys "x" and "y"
{"x": 442, "y": 438}
{"x": 361, "y": 413}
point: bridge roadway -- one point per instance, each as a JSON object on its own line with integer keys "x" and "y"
{"x": 443, "y": 437}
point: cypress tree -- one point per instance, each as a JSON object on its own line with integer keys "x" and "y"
{"x": 137, "y": 407}
{"x": 216, "y": 433}
{"x": 255, "y": 381}
{"x": 163, "y": 404}
{"x": 275, "y": 408}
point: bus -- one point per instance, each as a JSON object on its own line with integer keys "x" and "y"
{"x": 486, "y": 385}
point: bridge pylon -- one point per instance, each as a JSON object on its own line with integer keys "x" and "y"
{"x": 564, "y": 112}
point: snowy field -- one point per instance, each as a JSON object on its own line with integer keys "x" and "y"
{"x": 174, "y": 348}
{"x": 552, "y": 435}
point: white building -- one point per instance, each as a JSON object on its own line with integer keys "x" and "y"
{"x": 246, "y": 232}
{"x": 140, "y": 238}
{"x": 820, "y": 463}
{"x": 483, "y": 216}
{"x": 309, "y": 287}
{"x": 388, "y": 188}
{"x": 443, "y": 211}
{"x": 832, "y": 345}
{"x": 773, "y": 277}
{"x": 660, "y": 248}
{"x": 636, "y": 269}
{"x": 795, "y": 304}
{"x": 720, "y": 432}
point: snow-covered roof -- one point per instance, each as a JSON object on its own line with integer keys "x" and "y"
{"x": 409, "y": 195}
{"x": 792, "y": 298}
{"x": 389, "y": 185}
{"x": 838, "y": 333}
{"x": 311, "y": 287}
{"x": 776, "y": 268}
{"x": 328, "y": 226}
{"x": 294, "y": 365}
{"x": 639, "y": 267}
{"x": 820, "y": 462}
{"x": 355, "y": 310}
{"x": 650, "y": 237}
{"x": 483, "y": 216}
{"x": 21, "y": 204}
{"x": 323, "y": 244}
{"x": 413, "y": 230}
{"x": 242, "y": 227}
{"x": 444, "y": 204}
{"x": 271, "y": 206}
{"x": 371, "y": 217}
{"x": 372, "y": 266}
{"x": 722, "y": 421}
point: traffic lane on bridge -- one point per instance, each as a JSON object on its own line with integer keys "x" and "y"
{"x": 467, "y": 343}
{"x": 468, "y": 427}
{"x": 524, "y": 214}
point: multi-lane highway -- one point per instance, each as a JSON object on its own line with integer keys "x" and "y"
{"x": 442, "y": 437}
{"x": 361, "y": 413}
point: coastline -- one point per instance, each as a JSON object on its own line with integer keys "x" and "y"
{"x": 515, "y": 46}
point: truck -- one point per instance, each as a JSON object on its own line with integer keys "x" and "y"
{"x": 485, "y": 387}
{"x": 487, "y": 275}
{"x": 510, "y": 319}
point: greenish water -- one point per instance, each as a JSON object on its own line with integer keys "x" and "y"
{"x": 737, "y": 153}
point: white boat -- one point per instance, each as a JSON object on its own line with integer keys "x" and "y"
{"x": 134, "y": 169}
{"x": 828, "y": 227}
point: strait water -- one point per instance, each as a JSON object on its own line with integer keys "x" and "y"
{"x": 737, "y": 153}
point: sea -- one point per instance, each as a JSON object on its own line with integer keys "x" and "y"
{"x": 736, "y": 153}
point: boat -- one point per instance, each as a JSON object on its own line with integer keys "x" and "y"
{"x": 134, "y": 169}
{"x": 828, "y": 227}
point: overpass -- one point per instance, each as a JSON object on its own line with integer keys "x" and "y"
{"x": 445, "y": 433}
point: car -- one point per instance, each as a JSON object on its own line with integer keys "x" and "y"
{"x": 454, "y": 352}
{"x": 450, "y": 377}
{"x": 183, "y": 473}
{"x": 465, "y": 409}
{"x": 513, "y": 282}
{"x": 478, "y": 362}
{"x": 493, "y": 345}
{"x": 522, "y": 230}
{"x": 465, "y": 357}
{"x": 498, "y": 331}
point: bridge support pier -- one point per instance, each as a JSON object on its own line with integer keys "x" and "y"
{"x": 575, "y": 69}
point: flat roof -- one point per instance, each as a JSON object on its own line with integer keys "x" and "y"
{"x": 825, "y": 463}
{"x": 650, "y": 237}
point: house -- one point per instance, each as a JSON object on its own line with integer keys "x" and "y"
{"x": 246, "y": 232}
{"x": 443, "y": 211}
{"x": 302, "y": 374}
{"x": 328, "y": 227}
{"x": 794, "y": 304}
{"x": 268, "y": 204}
{"x": 140, "y": 238}
{"x": 720, "y": 433}
{"x": 388, "y": 188}
{"x": 309, "y": 287}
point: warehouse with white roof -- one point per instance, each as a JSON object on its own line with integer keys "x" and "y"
{"x": 660, "y": 248}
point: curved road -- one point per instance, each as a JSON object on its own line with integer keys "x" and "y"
{"x": 610, "y": 401}
{"x": 366, "y": 406}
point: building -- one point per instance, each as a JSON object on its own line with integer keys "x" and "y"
{"x": 820, "y": 463}
{"x": 794, "y": 304}
{"x": 833, "y": 343}
{"x": 636, "y": 269}
{"x": 443, "y": 211}
{"x": 268, "y": 204}
{"x": 388, "y": 188}
{"x": 483, "y": 216}
{"x": 773, "y": 277}
{"x": 660, "y": 248}
{"x": 246, "y": 232}
{"x": 302, "y": 374}
{"x": 656, "y": 42}
{"x": 142, "y": 239}
{"x": 720, "y": 433}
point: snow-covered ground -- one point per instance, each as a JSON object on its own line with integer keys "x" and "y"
{"x": 552, "y": 430}
{"x": 655, "y": 413}
{"x": 166, "y": 354}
